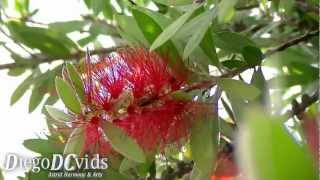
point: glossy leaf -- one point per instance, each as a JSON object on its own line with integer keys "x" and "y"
{"x": 199, "y": 33}
{"x": 151, "y": 30}
{"x": 252, "y": 55}
{"x": 129, "y": 29}
{"x": 172, "y": 29}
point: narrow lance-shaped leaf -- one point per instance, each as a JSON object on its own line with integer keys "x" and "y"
{"x": 21, "y": 89}
{"x": 199, "y": 33}
{"x": 174, "y": 3}
{"x": 35, "y": 98}
{"x": 48, "y": 41}
{"x": 129, "y": 30}
{"x": 67, "y": 26}
{"x": 151, "y": 30}
{"x": 76, "y": 80}
{"x": 68, "y": 96}
{"x": 226, "y": 10}
{"x": 172, "y": 29}
{"x": 75, "y": 142}
{"x": 258, "y": 80}
{"x": 123, "y": 144}
{"x": 207, "y": 45}
{"x": 58, "y": 114}
{"x": 203, "y": 142}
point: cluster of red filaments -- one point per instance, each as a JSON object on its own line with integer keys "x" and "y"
{"x": 131, "y": 88}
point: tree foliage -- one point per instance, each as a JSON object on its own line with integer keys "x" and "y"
{"x": 254, "y": 62}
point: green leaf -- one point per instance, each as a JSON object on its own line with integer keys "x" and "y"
{"x": 174, "y": 3}
{"x": 188, "y": 28}
{"x": 203, "y": 142}
{"x": 35, "y": 98}
{"x": 127, "y": 164}
{"x": 226, "y": 10}
{"x": 232, "y": 42}
{"x": 1, "y": 175}
{"x": 22, "y": 6}
{"x": 97, "y": 6}
{"x": 98, "y": 28}
{"x": 58, "y": 115}
{"x": 147, "y": 25}
{"x": 75, "y": 142}
{"x": 52, "y": 99}
{"x": 86, "y": 40}
{"x": 231, "y": 64}
{"x": 260, "y": 82}
{"x": 268, "y": 151}
{"x": 290, "y": 55}
{"x": 207, "y": 45}
{"x": 123, "y": 144}
{"x": 41, "y": 146}
{"x": 74, "y": 76}
{"x": 194, "y": 41}
{"x": 199, "y": 34}
{"x": 68, "y": 26}
{"x": 252, "y": 55}
{"x": 47, "y": 41}
{"x": 16, "y": 71}
{"x": 67, "y": 95}
{"x": 21, "y": 89}
{"x": 129, "y": 30}
{"x": 238, "y": 89}
{"x": 172, "y": 29}
{"x": 108, "y": 10}
{"x": 151, "y": 30}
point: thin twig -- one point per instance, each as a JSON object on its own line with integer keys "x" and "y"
{"x": 292, "y": 42}
{"x": 38, "y": 61}
{"x": 298, "y": 108}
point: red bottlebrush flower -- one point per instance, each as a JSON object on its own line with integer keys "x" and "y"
{"x": 152, "y": 126}
{"x": 94, "y": 139}
{"x": 131, "y": 88}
